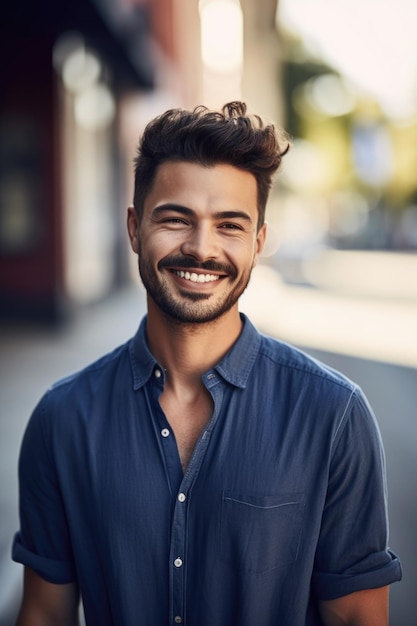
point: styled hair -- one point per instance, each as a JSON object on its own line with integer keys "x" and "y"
{"x": 208, "y": 138}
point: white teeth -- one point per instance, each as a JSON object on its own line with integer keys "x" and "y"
{"x": 197, "y": 278}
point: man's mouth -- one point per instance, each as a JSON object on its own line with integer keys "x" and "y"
{"x": 196, "y": 278}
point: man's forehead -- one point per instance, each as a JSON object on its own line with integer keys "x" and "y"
{"x": 221, "y": 187}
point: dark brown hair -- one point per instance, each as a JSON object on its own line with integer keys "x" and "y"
{"x": 209, "y": 137}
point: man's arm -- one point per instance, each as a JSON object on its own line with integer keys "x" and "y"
{"x": 362, "y": 608}
{"x": 46, "y": 604}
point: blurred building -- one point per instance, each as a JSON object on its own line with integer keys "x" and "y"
{"x": 78, "y": 81}
{"x": 64, "y": 68}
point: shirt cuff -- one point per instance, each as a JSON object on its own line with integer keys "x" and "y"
{"x": 329, "y": 586}
{"x": 57, "y": 572}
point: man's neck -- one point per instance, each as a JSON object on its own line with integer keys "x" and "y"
{"x": 186, "y": 351}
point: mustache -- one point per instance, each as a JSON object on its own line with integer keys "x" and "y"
{"x": 183, "y": 262}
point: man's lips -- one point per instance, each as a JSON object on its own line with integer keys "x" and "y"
{"x": 196, "y": 277}
{"x": 187, "y": 269}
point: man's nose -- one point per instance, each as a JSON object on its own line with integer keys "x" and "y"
{"x": 201, "y": 243}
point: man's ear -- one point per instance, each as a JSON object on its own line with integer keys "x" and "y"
{"x": 260, "y": 243}
{"x": 133, "y": 229}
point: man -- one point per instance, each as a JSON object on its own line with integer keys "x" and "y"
{"x": 203, "y": 474}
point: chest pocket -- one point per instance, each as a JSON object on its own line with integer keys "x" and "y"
{"x": 261, "y": 533}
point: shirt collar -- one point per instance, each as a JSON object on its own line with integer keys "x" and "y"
{"x": 235, "y": 366}
{"x": 143, "y": 362}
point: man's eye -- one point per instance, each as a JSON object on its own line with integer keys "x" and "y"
{"x": 231, "y": 226}
{"x": 174, "y": 220}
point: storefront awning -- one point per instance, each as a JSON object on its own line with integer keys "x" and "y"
{"x": 120, "y": 35}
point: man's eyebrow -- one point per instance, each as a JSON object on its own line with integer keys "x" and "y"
{"x": 242, "y": 215}
{"x": 171, "y": 206}
{"x": 220, "y": 215}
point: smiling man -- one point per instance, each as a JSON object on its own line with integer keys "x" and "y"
{"x": 203, "y": 474}
{"x": 206, "y": 242}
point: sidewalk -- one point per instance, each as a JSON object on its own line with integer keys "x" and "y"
{"x": 377, "y": 325}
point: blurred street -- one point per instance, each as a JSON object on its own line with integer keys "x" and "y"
{"x": 372, "y": 340}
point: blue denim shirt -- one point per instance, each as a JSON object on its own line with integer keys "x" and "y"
{"x": 282, "y": 504}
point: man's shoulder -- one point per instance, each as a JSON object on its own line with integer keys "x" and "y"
{"x": 75, "y": 398}
{"x": 93, "y": 374}
{"x": 295, "y": 362}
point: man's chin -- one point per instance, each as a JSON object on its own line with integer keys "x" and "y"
{"x": 191, "y": 312}
{"x": 194, "y": 296}
{"x": 189, "y": 315}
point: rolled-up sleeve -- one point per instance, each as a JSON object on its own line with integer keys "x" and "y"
{"x": 43, "y": 541}
{"x": 352, "y": 553}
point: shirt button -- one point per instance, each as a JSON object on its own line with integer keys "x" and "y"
{"x": 178, "y": 619}
{"x": 158, "y": 373}
{"x": 178, "y": 562}
{"x": 181, "y": 497}
{"x": 165, "y": 432}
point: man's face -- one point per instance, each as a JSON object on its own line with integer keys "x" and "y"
{"x": 197, "y": 240}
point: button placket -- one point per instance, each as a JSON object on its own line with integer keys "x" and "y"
{"x": 178, "y": 552}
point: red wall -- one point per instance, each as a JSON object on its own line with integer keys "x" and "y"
{"x": 31, "y": 265}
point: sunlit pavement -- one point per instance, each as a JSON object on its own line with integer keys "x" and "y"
{"x": 372, "y": 316}
{"x": 379, "y": 327}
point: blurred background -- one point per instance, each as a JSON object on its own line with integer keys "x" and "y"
{"x": 79, "y": 79}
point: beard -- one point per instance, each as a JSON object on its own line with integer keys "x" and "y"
{"x": 191, "y": 307}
